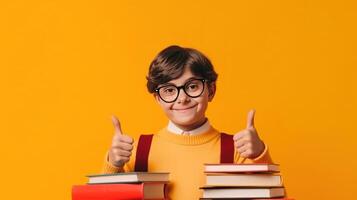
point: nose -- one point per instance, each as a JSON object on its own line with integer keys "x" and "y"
{"x": 182, "y": 96}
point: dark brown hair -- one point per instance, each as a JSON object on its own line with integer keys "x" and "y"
{"x": 171, "y": 62}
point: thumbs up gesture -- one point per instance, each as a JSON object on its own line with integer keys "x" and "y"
{"x": 122, "y": 145}
{"x": 247, "y": 141}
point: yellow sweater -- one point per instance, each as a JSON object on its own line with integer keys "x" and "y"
{"x": 184, "y": 157}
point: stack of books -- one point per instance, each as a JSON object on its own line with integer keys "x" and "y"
{"x": 132, "y": 185}
{"x": 243, "y": 181}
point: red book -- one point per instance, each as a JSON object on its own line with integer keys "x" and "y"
{"x": 137, "y": 191}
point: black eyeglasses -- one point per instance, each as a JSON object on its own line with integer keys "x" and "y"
{"x": 193, "y": 88}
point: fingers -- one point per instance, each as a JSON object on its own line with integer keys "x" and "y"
{"x": 127, "y": 139}
{"x": 122, "y": 153}
{"x": 248, "y": 144}
{"x": 122, "y": 145}
{"x": 118, "y": 160}
{"x": 117, "y": 126}
{"x": 240, "y": 135}
{"x": 123, "y": 138}
{"x": 250, "y": 126}
{"x": 250, "y": 119}
{"x": 240, "y": 143}
{"x": 119, "y": 133}
{"x": 244, "y": 148}
{"x": 247, "y": 154}
{"x": 242, "y": 138}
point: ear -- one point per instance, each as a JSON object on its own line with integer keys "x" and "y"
{"x": 157, "y": 98}
{"x": 211, "y": 91}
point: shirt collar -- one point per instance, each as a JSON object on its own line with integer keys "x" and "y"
{"x": 203, "y": 128}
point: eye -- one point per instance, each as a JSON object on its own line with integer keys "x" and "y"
{"x": 192, "y": 86}
{"x": 168, "y": 90}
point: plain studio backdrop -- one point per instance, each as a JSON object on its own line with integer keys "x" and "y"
{"x": 67, "y": 66}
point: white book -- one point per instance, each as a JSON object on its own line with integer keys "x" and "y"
{"x": 237, "y": 168}
{"x": 257, "y": 180}
{"x": 243, "y": 192}
{"x": 129, "y": 177}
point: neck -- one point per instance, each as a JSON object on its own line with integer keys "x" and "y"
{"x": 191, "y": 126}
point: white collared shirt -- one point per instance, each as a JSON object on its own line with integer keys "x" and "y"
{"x": 174, "y": 129}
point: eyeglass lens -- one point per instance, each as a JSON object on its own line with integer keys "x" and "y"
{"x": 192, "y": 88}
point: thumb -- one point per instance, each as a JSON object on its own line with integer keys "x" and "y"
{"x": 250, "y": 119}
{"x": 116, "y": 124}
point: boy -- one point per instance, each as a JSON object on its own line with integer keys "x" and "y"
{"x": 183, "y": 81}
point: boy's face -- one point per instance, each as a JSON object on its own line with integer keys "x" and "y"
{"x": 187, "y": 112}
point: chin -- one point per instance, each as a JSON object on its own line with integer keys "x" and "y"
{"x": 184, "y": 122}
{"x": 187, "y": 121}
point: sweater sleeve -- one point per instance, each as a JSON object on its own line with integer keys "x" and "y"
{"x": 109, "y": 168}
{"x": 264, "y": 157}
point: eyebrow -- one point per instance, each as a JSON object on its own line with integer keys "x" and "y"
{"x": 187, "y": 80}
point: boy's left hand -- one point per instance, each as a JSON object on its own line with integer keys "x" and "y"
{"x": 247, "y": 141}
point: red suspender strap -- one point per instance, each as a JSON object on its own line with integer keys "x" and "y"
{"x": 142, "y": 153}
{"x": 144, "y": 144}
{"x": 227, "y": 148}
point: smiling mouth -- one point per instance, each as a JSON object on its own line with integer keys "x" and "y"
{"x": 183, "y": 109}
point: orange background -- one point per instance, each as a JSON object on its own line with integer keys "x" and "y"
{"x": 67, "y": 66}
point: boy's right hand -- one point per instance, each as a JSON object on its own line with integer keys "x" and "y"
{"x": 122, "y": 145}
